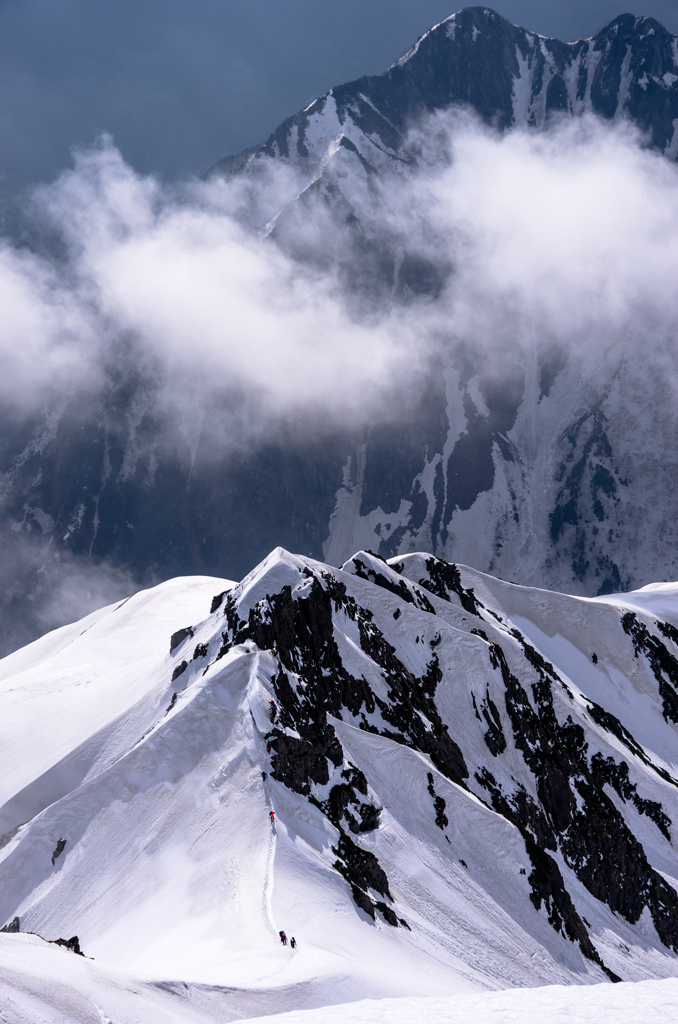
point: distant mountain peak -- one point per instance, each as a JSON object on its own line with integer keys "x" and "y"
{"x": 508, "y": 75}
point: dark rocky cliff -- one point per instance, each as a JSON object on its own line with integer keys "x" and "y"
{"x": 487, "y": 710}
{"x": 506, "y": 74}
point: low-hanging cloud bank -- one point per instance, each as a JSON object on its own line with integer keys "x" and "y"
{"x": 573, "y": 232}
{"x": 566, "y": 236}
{"x": 210, "y": 304}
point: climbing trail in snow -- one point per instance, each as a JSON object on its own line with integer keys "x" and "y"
{"x": 416, "y": 848}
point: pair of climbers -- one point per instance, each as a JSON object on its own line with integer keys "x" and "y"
{"x": 272, "y": 709}
{"x": 283, "y": 939}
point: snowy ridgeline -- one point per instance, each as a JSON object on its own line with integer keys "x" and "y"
{"x": 474, "y": 787}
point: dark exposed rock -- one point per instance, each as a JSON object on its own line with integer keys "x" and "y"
{"x": 668, "y": 630}
{"x": 494, "y": 737}
{"x": 344, "y": 806}
{"x": 606, "y": 770}
{"x": 399, "y": 587}
{"x": 662, "y": 662}
{"x": 388, "y": 914}
{"x": 438, "y": 803}
{"x": 360, "y": 867}
{"x": 548, "y": 887}
{"x": 216, "y": 601}
{"x": 587, "y": 479}
{"x": 591, "y": 833}
{"x": 298, "y": 762}
{"x": 360, "y": 898}
{"x": 58, "y": 850}
{"x": 409, "y": 695}
{"x": 73, "y": 944}
{"x": 179, "y": 637}
{"x": 179, "y": 669}
{"x": 612, "y": 724}
{"x": 444, "y": 579}
{"x": 566, "y": 809}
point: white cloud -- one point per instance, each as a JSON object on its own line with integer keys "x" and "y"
{"x": 569, "y": 236}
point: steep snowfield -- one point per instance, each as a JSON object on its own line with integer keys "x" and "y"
{"x": 464, "y": 800}
{"x": 63, "y": 696}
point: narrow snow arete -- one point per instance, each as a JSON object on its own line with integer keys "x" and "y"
{"x": 475, "y": 786}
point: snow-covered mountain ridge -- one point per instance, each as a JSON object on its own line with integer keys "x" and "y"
{"x": 508, "y": 75}
{"x": 474, "y": 783}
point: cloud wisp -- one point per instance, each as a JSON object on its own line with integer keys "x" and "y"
{"x": 565, "y": 235}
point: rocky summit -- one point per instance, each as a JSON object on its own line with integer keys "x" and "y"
{"x": 509, "y": 76}
{"x": 434, "y": 780}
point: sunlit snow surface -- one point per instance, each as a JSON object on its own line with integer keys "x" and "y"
{"x": 42, "y": 984}
{"x": 177, "y": 884}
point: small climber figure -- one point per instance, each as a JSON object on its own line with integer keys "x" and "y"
{"x": 264, "y": 776}
{"x": 268, "y": 748}
{"x": 272, "y": 816}
{"x": 272, "y": 710}
{"x": 293, "y": 942}
{"x": 283, "y": 938}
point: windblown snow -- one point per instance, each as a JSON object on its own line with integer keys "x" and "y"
{"x": 474, "y": 788}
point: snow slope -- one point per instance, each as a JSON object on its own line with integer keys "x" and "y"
{"x": 44, "y": 984}
{"x": 626, "y": 1004}
{"x": 106, "y": 666}
{"x": 464, "y": 800}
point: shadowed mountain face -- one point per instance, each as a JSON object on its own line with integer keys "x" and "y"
{"x": 507, "y": 75}
{"x": 529, "y": 468}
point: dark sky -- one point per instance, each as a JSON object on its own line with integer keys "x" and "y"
{"x": 181, "y": 83}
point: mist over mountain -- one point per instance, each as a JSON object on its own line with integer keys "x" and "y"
{"x": 433, "y": 311}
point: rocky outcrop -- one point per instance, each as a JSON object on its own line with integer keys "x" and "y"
{"x": 513, "y": 700}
